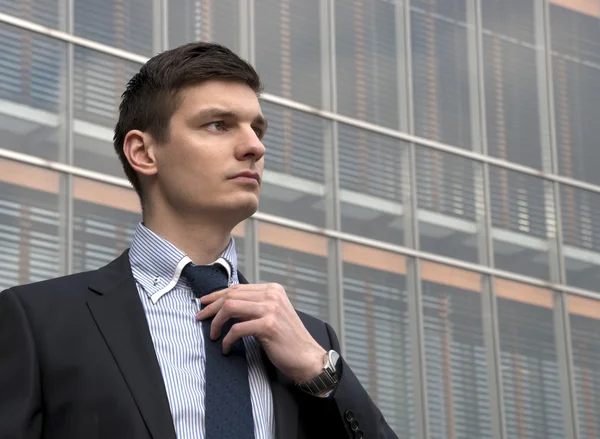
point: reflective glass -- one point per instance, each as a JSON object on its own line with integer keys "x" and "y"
{"x": 523, "y": 222}
{"x": 366, "y": 60}
{"x": 99, "y": 82}
{"x": 511, "y": 83}
{"x": 575, "y": 36}
{"x": 448, "y": 204}
{"x": 204, "y": 20}
{"x": 287, "y": 51}
{"x": 124, "y": 24}
{"x": 297, "y": 261}
{"x": 49, "y": 13}
{"x": 378, "y": 344}
{"x": 294, "y": 179}
{"x": 530, "y": 380}
{"x": 31, "y": 224}
{"x": 580, "y": 211}
{"x": 440, "y": 71}
{"x": 584, "y": 318}
{"x": 457, "y": 378}
{"x": 373, "y": 175}
{"x": 32, "y": 93}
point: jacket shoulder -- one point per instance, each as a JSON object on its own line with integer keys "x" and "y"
{"x": 63, "y": 285}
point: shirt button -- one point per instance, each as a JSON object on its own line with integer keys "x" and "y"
{"x": 156, "y": 280}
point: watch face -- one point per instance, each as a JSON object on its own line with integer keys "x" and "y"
{"x": 333, "y": 358}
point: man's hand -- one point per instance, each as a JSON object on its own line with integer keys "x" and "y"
{"x": 265, "y": 312}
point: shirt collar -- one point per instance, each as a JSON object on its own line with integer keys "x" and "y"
{"x": 156, "y": 264}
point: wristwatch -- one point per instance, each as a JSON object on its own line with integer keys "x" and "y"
{"x": 325, "y": 382}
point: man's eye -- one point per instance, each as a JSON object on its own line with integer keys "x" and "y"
{"x": 216, "y": 126}
{"x": 258, "y": 132}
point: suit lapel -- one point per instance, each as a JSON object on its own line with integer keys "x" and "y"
{"x": 284, "y": 403}
{"x": 115, "y": 305}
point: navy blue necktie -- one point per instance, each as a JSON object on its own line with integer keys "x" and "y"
{"x": 227, "y": 403}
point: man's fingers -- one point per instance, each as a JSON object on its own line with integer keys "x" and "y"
{"x": 213, "y": 297}
{"x": 239, "y": 330}
{"x": 211, "y": 308}
{"x": 234, "y": 289}
{"x": 240, "y": 309}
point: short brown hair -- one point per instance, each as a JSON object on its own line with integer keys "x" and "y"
{"x": 153, "y": 94}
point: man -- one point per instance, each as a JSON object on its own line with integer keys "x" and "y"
{"x": 169, "y": 340}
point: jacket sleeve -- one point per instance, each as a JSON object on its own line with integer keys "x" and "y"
{"x": 360, "y": 416}
{"x": 20, "y": 394}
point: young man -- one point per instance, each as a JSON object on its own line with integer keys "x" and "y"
{"x": 169, "y": 340}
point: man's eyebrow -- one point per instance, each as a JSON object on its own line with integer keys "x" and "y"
{"x": 209, "y": 113}
{"x": 261, "y": 121}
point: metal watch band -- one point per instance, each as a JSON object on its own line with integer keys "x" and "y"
{"x": 326, "y": 380}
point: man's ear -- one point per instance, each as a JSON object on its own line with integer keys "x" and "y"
{"x": 138, "y": 148}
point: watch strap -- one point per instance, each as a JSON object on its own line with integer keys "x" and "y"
{"x": 326, "y": 380}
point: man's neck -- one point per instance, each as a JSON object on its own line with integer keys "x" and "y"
{"x": 202, "y": 242}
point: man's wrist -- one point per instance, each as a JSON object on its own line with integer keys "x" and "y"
{"x": 315, "y": 367}
{"x": 325, "y": 382}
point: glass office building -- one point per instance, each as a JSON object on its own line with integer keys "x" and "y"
{"x": 432, "y": 184}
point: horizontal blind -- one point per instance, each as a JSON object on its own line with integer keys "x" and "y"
{"x": 580, "y": 213}
{"x": 366, "y": 61}
{"x": 205, "y": 20}
{"x": 99, "y": 82}
{"x": 378, "y": 346}
{"x": 100, "y": 234}
{"x": 303, "y": 275}
{"x": 576, "y": 78}
{"x": 441, "y": 77}
{"x": 445, "y": 184}
{"x": 532, "y": 399}
{"x": 457, "y": 385}
{"x": 370, "y": 163}
{"x": 518, "y": 202}
{"x": 294, "y": 143}
{"x": 49, "y": 13}
{"x": 511, "y": 101}
{"x": 288, "y": 48}
{"x": 585, "y": 342}
{"x": 125, "y": 24}
{"x": 510, "y": 18}
{"x": 31, "y": 69}
{"x": 29, "y": 235}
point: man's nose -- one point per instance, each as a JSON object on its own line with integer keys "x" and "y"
{"x": 252, "y": 145}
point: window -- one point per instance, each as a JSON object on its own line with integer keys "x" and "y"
{"x": 366, "y": 61}
{"x": 376, "y": 316}
{"x": 373, "y": 174}
{"x": 457, "y": 377}
{"x": 32, "y": 93}
{"x": 440, "y": 74}
{"x": 575, "y": 35}
{"x": 288, "y": 48}
{"x": 532, "y": 399}
{"x": 125, "y": 24}
{"x": 584, "y": 316}
{"x": 30, "y": 224}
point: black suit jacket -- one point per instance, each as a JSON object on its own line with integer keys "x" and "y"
{"x": 77, "y": 361}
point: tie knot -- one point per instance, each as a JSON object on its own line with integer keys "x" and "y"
{"x": 206, "y": 279}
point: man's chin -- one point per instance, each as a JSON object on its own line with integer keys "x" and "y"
{"x": 242, "y": 208}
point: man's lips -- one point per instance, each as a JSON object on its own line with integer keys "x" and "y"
{"x": 247, "y": 175}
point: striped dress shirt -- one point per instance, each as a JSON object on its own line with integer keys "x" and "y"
{"x": 170, "y": 308}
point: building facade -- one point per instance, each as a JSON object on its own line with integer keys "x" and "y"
{"x": 431, "y": 187}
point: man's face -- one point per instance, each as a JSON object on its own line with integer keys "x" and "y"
{"x": 215, "y": 137}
